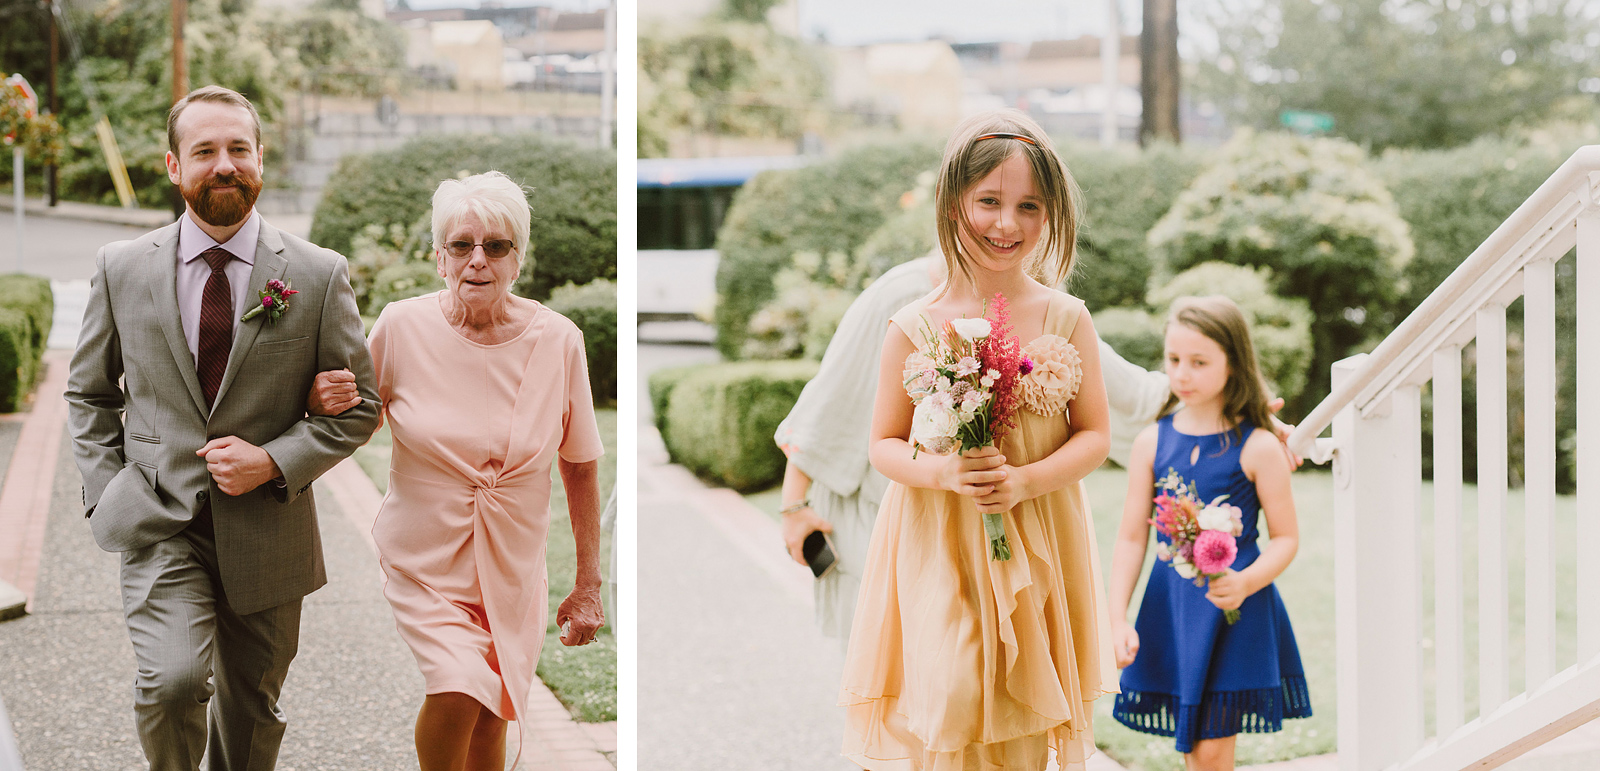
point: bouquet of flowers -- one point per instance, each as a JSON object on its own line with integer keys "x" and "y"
{"x": 964, "y": 385}
{"x": 1204, "y": 536}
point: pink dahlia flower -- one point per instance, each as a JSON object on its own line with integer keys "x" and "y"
{"x": 1214, "y": 552}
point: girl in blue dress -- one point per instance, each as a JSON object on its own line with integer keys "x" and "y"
{"x": 1187, "y": 673}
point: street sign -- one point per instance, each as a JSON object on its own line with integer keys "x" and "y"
{"x": 1306, "y": 122}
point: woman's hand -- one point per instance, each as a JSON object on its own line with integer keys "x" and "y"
{"x": 1229, "y": 591}
{"x": 973, "y": 472}
{"x": 1005, "y": 494}
{"x": 581, "y": 615}
{"x": 1125, "y": 643}
{"x": 797, "y": 525}
{"x": 333, "y": 392}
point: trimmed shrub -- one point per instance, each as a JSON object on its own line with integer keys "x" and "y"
{"x": 29, "y": 309}
{"x": 400, "y": 281}
{"x": 831, "y": 206}
{"x": 572, "y": 191}
{"x": 721, "y": 419}
{"x": 593, "y": 307}
{"x": 1125, "y": 192}
{"x": 18, "y": 359}
{"x": 1133, "y": 333}
{"x": 1310, "y": 210}
{"x": 661, "y": 384}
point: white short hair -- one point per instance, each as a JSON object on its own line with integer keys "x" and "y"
{"x": 490, "y": 196}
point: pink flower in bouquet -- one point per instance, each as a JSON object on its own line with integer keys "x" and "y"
{"x": 266, "y": 302}
{"x": 1214, "y": 552}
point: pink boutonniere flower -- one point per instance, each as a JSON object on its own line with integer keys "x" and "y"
{"x": 274, "y": 301}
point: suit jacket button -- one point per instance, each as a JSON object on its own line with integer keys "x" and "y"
{"x": 202, "y": 496}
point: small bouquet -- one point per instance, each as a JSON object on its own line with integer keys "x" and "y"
{"x": 1204, "y": 536}
{"x": 964, "y": 385}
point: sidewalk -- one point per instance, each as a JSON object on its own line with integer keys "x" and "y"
{"x": 89, "y": 212}
{"x": 66, "y": 668}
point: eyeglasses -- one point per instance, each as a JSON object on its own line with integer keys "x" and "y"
{"x": 494, "y": 248}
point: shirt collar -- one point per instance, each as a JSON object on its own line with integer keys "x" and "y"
{"x": 192, "y": 241}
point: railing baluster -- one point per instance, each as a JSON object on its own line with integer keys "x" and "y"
{"x": 1449, "y": 694}
{"x": 1588, "y": 504}
{"x": 1493, "y": 613}
{"x": 1539, "y": 463}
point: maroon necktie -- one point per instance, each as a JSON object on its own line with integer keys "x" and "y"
{"x": 216, "y": 324}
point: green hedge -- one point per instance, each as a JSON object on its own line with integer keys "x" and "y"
{"x": 830, "y": 206}
{"x": 660, "y": 386}
{"x": 720, "y": 420}
{"x": 572, "y": 191}
{"x": 27, "y": 307}
{"x": 593, "y": 307}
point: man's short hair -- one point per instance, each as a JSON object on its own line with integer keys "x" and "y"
{"x": 217, "y": 94}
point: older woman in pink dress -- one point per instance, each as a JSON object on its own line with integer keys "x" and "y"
{"x": 483, "y": 391}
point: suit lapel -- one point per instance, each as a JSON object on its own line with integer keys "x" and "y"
{"x": 270, "y": 264}
{"x": 164, "y": 297}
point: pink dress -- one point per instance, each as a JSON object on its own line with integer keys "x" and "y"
{"x": 461, "y": 534}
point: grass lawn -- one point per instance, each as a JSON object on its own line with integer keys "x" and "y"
{"x": 585, "y": 677}
{"x": 1307, "y": 590}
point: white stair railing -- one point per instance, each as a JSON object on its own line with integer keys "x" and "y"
{"x": 1376, "y": 414}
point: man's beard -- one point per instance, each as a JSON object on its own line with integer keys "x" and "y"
{"x": 223, "y": 209}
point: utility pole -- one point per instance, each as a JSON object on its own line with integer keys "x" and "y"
{"x": 50, "y": 179}
{"x": 1158, "y": 72}
{"x": 1110, "y": 61}
{"x": 180, "y": 63}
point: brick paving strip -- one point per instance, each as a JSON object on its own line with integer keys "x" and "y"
{"x": 25, "y": 497}
{"x": 553, "y": 740}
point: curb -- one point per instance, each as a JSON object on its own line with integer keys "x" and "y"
{"x": 554, "y": 741}
{"x": 25, "y": 498}
{"x": 90, "y": 212}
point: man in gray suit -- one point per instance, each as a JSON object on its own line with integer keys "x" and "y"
{"x": 190, "y": 429}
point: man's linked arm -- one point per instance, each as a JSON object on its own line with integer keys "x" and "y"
{"x": 316, "y": 443}
{"x": 94, "y": 392}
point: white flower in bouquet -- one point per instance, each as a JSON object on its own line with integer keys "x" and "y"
{"x": 971, "y": 329}
{"x": 1163, "y": 552}
{"x": 1219, "y": 517}
{"x": 1184, "y": 567}
{"x": 967, "y": 366}
{"x": 987, "y": 381}
{"x": 934, "y": 423}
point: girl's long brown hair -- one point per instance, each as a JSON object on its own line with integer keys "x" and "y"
{"x": 1245, "y": 395}
{"x": 968, "y": 159}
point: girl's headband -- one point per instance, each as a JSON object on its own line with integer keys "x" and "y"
{"x": 1006, "y": 135}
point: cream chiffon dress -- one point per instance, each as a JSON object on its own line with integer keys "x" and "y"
{"x": 960, "y": 662}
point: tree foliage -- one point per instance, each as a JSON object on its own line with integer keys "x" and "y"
{"x": 1406, "y": 73}
{"x": 116, "y": 56}
{"x": 726, "y": 76}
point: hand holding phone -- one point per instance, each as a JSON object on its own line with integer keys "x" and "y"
{"x": 818, "y": 551}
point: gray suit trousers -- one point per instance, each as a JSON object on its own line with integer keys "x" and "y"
{"x": 192, "y": 648}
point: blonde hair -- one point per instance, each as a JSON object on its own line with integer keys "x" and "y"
{"x": 969, "y": 157}
{"x": 1245, "y": 395}
{"x": 492, "y": 197}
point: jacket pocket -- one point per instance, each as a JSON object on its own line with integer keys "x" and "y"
{"x": 274, "y": 347}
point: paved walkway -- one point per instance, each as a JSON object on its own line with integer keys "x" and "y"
{"x": 66, "y": 668}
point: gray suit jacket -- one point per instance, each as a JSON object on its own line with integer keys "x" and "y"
{"x": 143, "y": 483}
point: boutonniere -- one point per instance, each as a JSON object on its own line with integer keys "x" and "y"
{"x": 274, "y": 301}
